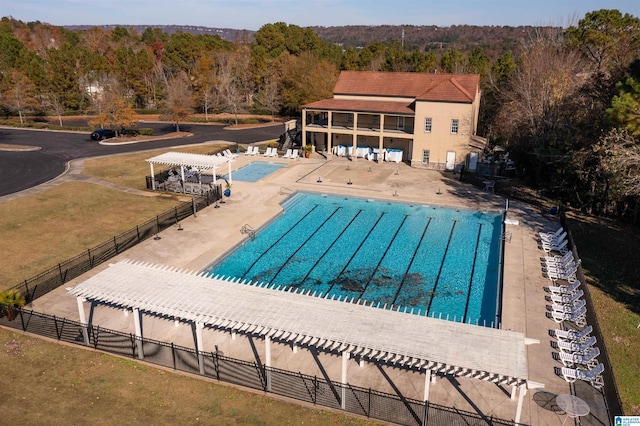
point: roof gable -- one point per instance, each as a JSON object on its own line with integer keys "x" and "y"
{"x": 421, "y": 86}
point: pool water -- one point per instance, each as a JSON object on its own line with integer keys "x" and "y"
{"x": 429, "y": 260}
{"x": 255, "y": 171}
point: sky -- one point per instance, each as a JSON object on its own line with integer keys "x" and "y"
{"x": 253, "y": 14}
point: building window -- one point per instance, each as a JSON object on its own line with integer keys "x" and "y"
{"x": 375, "y": 120}
{"x": 400, "y": 123}
{"x": 425, "y": 156}
{"x": 427, "y": 124}
{"x": 454, "y": 126}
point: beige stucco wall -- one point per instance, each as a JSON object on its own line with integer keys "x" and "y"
{"x": 440, "y": 140}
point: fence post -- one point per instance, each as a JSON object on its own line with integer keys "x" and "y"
{"x": 133, "y": 346}
{"x": 138, "y": 232}
{"x": 425, "y": 413}
{"x": 175, "y": 213}
{"x": 26, "y": 286}
{"x": 60, "y": 270}
{"x": 115, "y": 244}
{"x": 90, "y": 260}
{"x": 369, "y": 404}
{"x": 173, "y": 355}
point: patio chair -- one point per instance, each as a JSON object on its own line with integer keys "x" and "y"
{"x": 555, "y": 239}
{"x": 592, "y": 375}
{"x": 573, "y": 335}
{"x": 578, "y": 317}
{"x": 274, "y": 152}
{"x": 568, "y": 274}
{"x": 249, "y": 150}
{"x": 566, "y": 299}
{"x": 564, "y": 289}
{"x": 559, "y": 247}
{"x": 256, "y": 150}
{"x": 489, "y": 185}
{"x": 267, "y": 153}
{"x": 577, "y": 347}
{"x": 294, "y": 154}
{"x": 228, "y": 153}
{"x": 288, "y": 153}
{"x": 551, "y": 235}
{"x": 561, "y": 259}
{"x": 588, "y": 359}
{"x": 568, "y": 308}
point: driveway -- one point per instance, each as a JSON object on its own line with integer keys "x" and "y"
{"x": 25, "y": 169}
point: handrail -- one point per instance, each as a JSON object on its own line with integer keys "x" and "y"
{"x": 284, "y": 190}
{"x": 247, "y": 229}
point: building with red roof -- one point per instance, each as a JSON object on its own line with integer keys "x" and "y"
{"x": 426, "y": 120}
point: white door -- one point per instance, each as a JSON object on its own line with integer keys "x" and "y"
{"x": 451, "y": 160}
{"x": 473, "y": 161}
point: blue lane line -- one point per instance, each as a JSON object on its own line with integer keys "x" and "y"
{"x": 329, "y": 248}
{"x": 355, "y": 252}
{"x": 273, "y": 279}
{"x": 279, "y": 239}
{"x": 415, "y": 252}
{"x": 473, "y": 268}
{"x": 382, "y": 257}
{"x": 444, "y": 256}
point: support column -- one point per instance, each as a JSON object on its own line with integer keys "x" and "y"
{"x": 304, "y": 127}
{"x": 345, "y": 360}
{"x": 514, "y": 389}
{"x": 83, "y": 320}
{"x": 329, "y": 135}
{"x": 427, "y": 385}
{"x": 200, "y": 346}
{"x": 267, "y": 361}
{"x": 381, "y": 140}
{"x": 355, "y": 137}
{"x": 523, "y": 391}
{"x": 138, "y": 328}
{"x": 229, "y": 170}
{"x": 153, "y": 180}
{"x": 182, "y": 173}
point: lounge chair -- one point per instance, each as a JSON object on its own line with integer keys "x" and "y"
{"x": 577, "y": 347}
{"x": 551, "y": 235}
{"x": 558, "y": 239}
{"x": 274, "y": 152}
{"x": 288, "y": 153}
{"x": 560, "y": 267}
{"x": 577, "y": 317}
{"x": 267, "y": 153}
{"x": 568, "y": 274}
{"x": 568, "y": 256}
{"x": 228, "y": 153}
{"x": 588, "y": 359}
{"x": 249, "y": 150}
{"x": 592, "y": 375}
{"x": 559, "y": 247}
{"x": 566, "y": 299}
{"x": 573, "y": 335}
{"x": 294, "y": 154}
{"x": 568, "y": 308}
{"x": 256, "y": 150}
{"x": 564, "y": 289}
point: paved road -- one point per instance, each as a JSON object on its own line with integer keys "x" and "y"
{"x": 25, "y": 169}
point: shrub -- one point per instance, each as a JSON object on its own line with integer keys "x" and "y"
{"x": 145, "y": 131}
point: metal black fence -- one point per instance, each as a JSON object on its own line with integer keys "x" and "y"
{"x": 584, "y": 390}
{"x": 311, "y": 389}
{"x": 65, "y": 271}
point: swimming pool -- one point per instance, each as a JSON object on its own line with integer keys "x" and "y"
{"x": 255, "y": 171}
{"x": 426, "y": 259}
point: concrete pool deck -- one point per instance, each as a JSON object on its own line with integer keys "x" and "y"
{"x": 214, "y": 231}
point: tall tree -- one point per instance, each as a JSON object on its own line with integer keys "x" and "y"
{"x": 20, "y": 96}
{"x": 178, "y": 106}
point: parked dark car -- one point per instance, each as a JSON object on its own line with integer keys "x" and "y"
{"x": 101, "y": 134}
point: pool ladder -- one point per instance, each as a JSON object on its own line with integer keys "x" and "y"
{"x": 247, "y": 229}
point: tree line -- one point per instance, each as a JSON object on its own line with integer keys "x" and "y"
{"x": 564, "y": 103}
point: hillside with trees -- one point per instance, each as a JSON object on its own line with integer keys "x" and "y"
{"x": 563, "y": 103}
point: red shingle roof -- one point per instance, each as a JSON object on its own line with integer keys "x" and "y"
{"x": 421, "y": 86}
{"x": 363, "y": 106}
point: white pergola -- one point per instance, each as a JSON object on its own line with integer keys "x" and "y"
{"x": 199, "y": 161}
{"x": 362, "y": 330}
